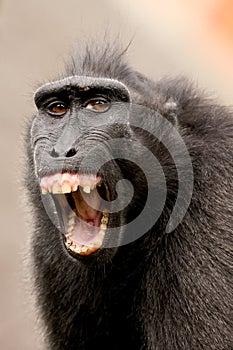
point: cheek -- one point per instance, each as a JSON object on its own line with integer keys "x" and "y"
{"x": 46, "y": 129}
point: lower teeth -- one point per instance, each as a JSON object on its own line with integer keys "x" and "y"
{"x": 76, "y": 248}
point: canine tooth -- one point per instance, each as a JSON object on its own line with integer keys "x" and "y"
{"x": 44, "y": 191}
{"x": 87, "y": 189}
{"x": 103, "y": 226}
{"x": 66, "y": 188}
{"x": 74, "y": 188}
{"x": 104, "y": 220}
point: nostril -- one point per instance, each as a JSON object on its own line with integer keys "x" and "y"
{"x": 54, "y": 154}
{"x": 71, "y": 152}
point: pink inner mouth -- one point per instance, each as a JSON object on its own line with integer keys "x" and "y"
{"x": 88, "y": 218}
{"x": 83, "y": 234}
{"x": 79, "y": 202}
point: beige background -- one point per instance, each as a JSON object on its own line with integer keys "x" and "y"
{"x": 35, "y": 37}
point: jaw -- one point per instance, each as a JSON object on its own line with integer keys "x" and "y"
{"x": 80, "y": 207}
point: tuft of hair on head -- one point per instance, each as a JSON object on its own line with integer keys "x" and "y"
{"x": 101, "y": 58}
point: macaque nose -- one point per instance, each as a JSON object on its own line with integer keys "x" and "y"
{"x": 64, "y": 147}
{"x": 70, "y": 153}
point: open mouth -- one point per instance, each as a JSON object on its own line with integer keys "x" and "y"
{"x": 79, "y": 199}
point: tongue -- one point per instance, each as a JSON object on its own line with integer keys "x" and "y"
{"x": 84, "y": 233}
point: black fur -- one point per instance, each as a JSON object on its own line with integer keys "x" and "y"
{"x": 165, "y": 291}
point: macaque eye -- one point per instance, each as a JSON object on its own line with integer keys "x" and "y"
{"x": 57, "y": 108}
{"x": 98, "y": 105}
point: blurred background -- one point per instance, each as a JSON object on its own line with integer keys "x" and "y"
{"x": 192, "y": 37}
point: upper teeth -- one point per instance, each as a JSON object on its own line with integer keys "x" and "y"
{"x": 66, "y": 183}
{"x": 87, "y": 189}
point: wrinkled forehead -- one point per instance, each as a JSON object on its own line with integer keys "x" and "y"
{"x": 84, "y": 83}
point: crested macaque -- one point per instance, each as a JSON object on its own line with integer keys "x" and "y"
{"x": 106, "y": 141}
